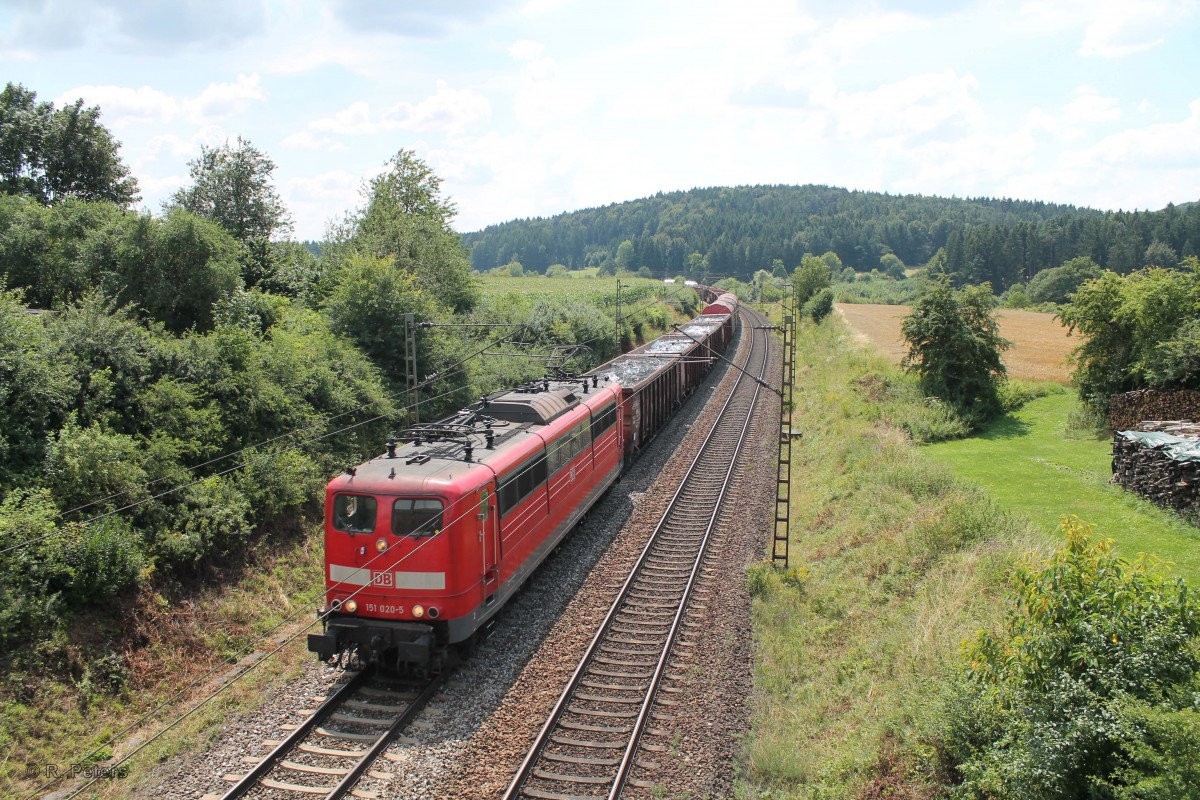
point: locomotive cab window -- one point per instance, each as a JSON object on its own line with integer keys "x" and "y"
{"x": 354, "y": 513}
{"x": 417, "y": 517}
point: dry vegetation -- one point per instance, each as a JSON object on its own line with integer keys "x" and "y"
{"x": 1040, "y": 343}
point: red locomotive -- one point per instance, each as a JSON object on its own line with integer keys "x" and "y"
{"x": 425, "y": 543}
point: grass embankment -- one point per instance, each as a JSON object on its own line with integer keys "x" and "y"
{"x": 899, "y": 555}
{"x": 894, "y": 564}
{"x": 180, "y": 637}
{"x": 1034, "y": 464}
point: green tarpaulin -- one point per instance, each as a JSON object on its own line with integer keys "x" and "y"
{"x": 1177, "y": 448}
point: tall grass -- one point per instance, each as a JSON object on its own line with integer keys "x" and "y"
{"x": 894, "y": 564}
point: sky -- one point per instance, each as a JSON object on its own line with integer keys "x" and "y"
{"x": 529, "y": 108}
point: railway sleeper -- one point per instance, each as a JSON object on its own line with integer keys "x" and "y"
{"x": 594, "y": 745}
{"x": 560, "y": 778}
{"x": 595, "y": 762}
{"x": 591, "y": 712}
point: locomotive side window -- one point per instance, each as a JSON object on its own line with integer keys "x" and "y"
{"x": 521, "y": 482}
{"x": 421, "y": 517}
{"x": 572, "y": 443}
{"x": 605, "y": 420}
{"x": 354, "y": 513}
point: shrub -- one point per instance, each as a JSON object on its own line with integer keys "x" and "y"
{"x": 1139, "y": 330}
{"x": 1052, "y": 704}
{"x": 92, "y": 469}
{"x": 810, "y": 277}
{"x": 280, "y": 484}
{"x": 34, "y": 393}
{"x": 820, "y": 305}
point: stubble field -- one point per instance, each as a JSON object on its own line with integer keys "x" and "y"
{"x": 1040, "y": 344}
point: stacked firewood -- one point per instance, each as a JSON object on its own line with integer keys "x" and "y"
{"x": 1162, "y": 467}
{"x": 1126, "y": 411}
{"x": 1175, "y": 427}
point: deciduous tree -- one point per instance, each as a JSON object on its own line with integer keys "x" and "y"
{"x": 954, "y": 346}
{"x": 232, "y": 186}
{"x": 407, "y": 221}
{"x": 810, "y": 277}
{"x": 53, "y": 155}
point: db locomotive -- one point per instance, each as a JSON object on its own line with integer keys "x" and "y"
{"x": 425, "y": 543}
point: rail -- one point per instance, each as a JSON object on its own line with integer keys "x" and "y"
{"x": 591, "y": 736}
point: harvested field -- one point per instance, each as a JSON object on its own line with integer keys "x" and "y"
{"x": 1040, "y": 344}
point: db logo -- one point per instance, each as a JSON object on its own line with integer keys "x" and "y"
{"x": 382, "y": 579}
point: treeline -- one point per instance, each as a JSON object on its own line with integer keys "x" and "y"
{"x": 735, "y": 231}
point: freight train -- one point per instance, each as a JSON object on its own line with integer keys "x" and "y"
{"x": 427, "y": 542}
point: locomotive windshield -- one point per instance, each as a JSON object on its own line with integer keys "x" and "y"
{"x": 354, "y": 513}
{"x": 417, "y": 517}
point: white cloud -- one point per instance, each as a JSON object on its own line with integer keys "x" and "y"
{"x": 353, "y": 119}
{"x": 304, "y": 140}
{"x": 917, "y": 105}
{"x": 220, "y": 100}
{"x": 1089, "y": 107}
{"x": 121, "y": 106}
{"x": 1172, "y": 145}
{"x": 117, "y": 25}
{"x": 317, "y": 200}
{"x": 1110, "y": 28}
{"x": 421, "y": 20}
{"x": 1078, "y": 119}
{"x": 526, "y": 50}
{"x": 533, "y": 8}
{"x": 448, "y": 110}
{"x": 176, "y": 147}
{"x": 545, "y": 97}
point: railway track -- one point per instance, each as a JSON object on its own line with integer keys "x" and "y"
{"x": 330, "y": 751}
{"x": 589, "y": 745}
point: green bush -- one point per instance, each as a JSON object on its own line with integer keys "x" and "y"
{"x": 1160, "y": 763}
{"x": 820, "y": 305}
{"x": 279, "y": 485}
{"x": 810, "y": 277}
{"x": 90, "y": 468}
{"x": 210, "y": 520}
{"x": 34, "y": 392}
{"x": 1139, "y": 330}
{"x": 954, "y": 347}
{"x": 1052, "y": 704}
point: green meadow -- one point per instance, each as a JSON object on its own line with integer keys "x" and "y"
{"x": 1034, "y": 464}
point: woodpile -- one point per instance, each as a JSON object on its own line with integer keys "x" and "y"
{"x": 1126, "y": 411}
{"x": 1162, "y": 467}
{"x": 1175, "y": 427}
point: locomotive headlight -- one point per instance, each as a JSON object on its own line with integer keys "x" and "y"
{"x": 381, "y": 545}
{"x": 418, "y": 611}
{"x": 351, "y": 606}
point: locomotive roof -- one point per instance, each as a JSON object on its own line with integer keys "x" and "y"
{"x": 532, "y": 405}
{"x": 437, "y": 461}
